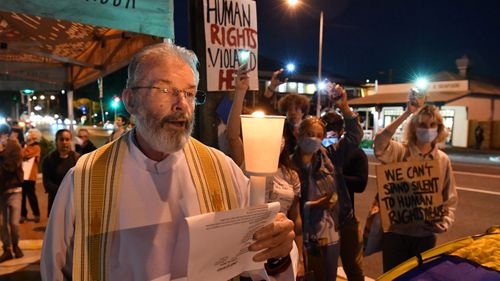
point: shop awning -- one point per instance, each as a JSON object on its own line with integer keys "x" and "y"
{"x": 402, "y": 98}
{"x": 53, "y": 45}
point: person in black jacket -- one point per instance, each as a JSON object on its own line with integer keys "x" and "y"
{"x": 57, "y": 164}
{"x": 86, "y": 144}
{"x": 11, "y": 180}
{"x": 352, "y": 163}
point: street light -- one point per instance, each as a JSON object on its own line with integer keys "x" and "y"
{"x": 294, "y": 3}
{"x": 115, "y": 104}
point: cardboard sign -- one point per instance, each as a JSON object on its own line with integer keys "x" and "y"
{"x": 230, "y": 28}
{"x": 409, "y": 193}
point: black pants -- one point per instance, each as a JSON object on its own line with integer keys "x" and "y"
{"x": 397, "y": 248}
{"x": 52, "y": 197}
{"x": 29, "y": 191}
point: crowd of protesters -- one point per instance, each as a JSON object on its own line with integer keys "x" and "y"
{"x": 325, "y": 153}
{"x": 321, "y": 167}
{"x": 20, "y": 160}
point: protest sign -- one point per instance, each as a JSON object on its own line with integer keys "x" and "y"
{"x": 409, "y": 193}
{"x": 230, "y": 31}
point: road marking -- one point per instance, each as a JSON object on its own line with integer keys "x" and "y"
{"x": 458, "y": 172}
{"x": 477, "y": 174}
{"x": 478, "y": 190}
{"x": 462, "y": 188}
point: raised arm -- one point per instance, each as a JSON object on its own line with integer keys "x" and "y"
{"x": 275, "y": 82}
{"x": 235, "y": 142}
{"x": 353, "y": 131}
{"x": 383, "y": 139}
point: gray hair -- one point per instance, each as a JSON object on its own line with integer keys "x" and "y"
{"x": 155, "y": 52}
{"x": 37, "y": 133}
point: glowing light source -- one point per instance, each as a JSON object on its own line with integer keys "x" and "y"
{"x": 116, "y": 102}
{"x": 244, "y": 55}
{"x": 321, "y": 85}
{"x": 27, "y": 91}
{"x": 261, "y": 160}
{"x": 422, "y": 83}
{"x": 290, "y": 67}
{"x": 258, "y": 114}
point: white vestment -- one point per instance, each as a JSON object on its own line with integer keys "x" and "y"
{"x": 154, "y": 199}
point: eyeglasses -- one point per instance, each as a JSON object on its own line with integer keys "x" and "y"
{"x": 198, "y": 97}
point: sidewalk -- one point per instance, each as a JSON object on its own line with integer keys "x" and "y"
{"x": 469, "y": 155}
{"x": 27, "y": 268}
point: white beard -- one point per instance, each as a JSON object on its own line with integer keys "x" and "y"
{"x": 162, "y": 139}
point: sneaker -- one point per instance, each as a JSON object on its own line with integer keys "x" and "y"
{"x": 17, "y": 252}
{"x": 7, "y": 255}
{"x": 22, "y": 220}
{"x": 37, "y": 219}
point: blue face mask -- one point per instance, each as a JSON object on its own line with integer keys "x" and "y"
{"x": 309, "y": 145}
{"x": 329, "y": 141}
{"x": 426, "y": 135}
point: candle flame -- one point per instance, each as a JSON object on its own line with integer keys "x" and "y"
{"x": 258, "y": 114}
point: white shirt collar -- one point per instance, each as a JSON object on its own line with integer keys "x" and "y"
{"x": 145, "y": 163}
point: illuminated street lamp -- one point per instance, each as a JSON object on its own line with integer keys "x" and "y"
{"x": 115, "y": 104}
{"x": 294, "y": 3}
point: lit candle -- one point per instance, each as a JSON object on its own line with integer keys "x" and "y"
{"x": 262, "y": 136}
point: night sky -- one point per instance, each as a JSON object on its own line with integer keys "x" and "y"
{"x": 366, "y": 39}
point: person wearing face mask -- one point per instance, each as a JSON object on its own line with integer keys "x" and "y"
{"x": 32, "y": 149}
{"x": 284, "y": 186}
{"x": 318, "y": 200}
{"x": 424, "y": 130}
{"x": 324, "y": 198}
{"x": 351, "y": 166}
{"x": 295, "y": 107}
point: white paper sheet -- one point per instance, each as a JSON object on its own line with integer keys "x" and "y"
{"x": 218, "y": 247}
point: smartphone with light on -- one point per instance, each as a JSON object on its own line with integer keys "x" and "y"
{"x": 243, "y": 59}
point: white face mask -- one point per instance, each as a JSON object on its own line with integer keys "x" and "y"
{"x": 426, "y": 135}
{"x": 310, "y": 145}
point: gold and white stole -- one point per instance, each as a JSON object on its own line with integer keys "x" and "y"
{"x": 96, "y": 198}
